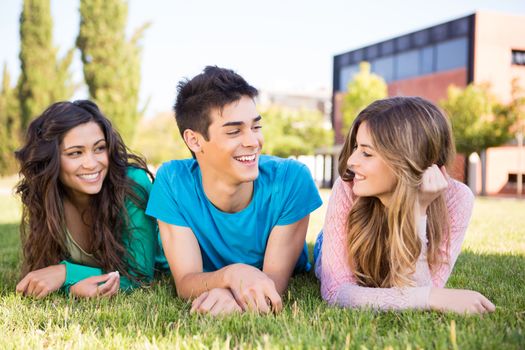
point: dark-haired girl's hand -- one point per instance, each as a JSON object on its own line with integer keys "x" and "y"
{"x": 433, "y": 183}
{"x": 97, "y": 286}
{"x": 42, "y": 282}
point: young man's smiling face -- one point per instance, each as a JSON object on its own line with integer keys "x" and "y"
{"x": 234, "y": 143}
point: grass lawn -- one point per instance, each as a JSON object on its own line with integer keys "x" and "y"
{"x": 492, "y": 262}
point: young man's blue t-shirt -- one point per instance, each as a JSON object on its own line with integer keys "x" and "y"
{"x": 284, "y": 193}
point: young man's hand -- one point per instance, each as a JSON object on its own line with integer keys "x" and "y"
{"x": 253, "y": 289}
{"x": 42, "y": 282}
{"x": 97, "y": 286}
{"x": 218, "y": 301}
{"x": 433, "y": 183}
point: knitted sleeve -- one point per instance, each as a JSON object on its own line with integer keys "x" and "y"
{"x": 460, "y": 201}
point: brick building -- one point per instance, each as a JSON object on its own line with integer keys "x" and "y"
{"x": 483, "y": 47}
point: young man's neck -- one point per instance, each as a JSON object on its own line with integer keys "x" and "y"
{"x": 227, "y": 197}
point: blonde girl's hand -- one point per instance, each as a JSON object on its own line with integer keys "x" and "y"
{"x": 433, "y": 183}
{"x": 460, "y": 301}
{"x": 97, "y": 286}
{"x": 42, "y": 282}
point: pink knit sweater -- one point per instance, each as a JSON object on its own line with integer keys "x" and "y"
{"x": 338, "y": 283}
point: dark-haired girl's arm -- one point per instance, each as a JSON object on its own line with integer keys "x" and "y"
{"x": 141, "y": 242}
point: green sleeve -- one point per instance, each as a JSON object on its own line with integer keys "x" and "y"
{"x": 141, "y": 242}
{"x": 76, "y": 273}
{"x": 143, "y": 232}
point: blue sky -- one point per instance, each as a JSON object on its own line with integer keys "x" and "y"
{"x": 276, "y": 45}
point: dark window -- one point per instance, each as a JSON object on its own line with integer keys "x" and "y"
{"x": 421, "y": 38}
{"x": 371, "y": 52}
{"x": 460, "y": 27}
{"x": 384, "y": 67}
{"x": 439, "y": 32}
{"x": 346, "y": 75}
{"x": 358, "y": 56}
{"x": 451, "y": 54}
{"x": 407, "y": 64}
{"x": 343, "y": 60}
{"x": 518, "y": 57}
{"x": 403, "y": 42}
{"x": 387, "y": 47}
{"x": 427, "y": 59}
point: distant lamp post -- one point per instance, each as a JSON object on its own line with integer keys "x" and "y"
{"x": 519, "y": 138}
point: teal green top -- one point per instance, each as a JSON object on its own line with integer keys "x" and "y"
{"x": 141, "y": 241}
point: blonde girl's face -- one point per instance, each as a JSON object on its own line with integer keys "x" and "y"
{"x": 373, "y": 177}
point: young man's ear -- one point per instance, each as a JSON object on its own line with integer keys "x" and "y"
{"x": 193, "y": 140}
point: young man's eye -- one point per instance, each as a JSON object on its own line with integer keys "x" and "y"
{"x": 233, "y": 132}
{"x": 257, "y": 127}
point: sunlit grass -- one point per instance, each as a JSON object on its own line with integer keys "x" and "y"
{"x": 493, "y": 262}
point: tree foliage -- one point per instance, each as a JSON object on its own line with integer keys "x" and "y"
{"x": 9, "y": 125}
{"x": 363, "y": 89}
{"x": 158, "y": 139}
{"x": 478, "y": 120}
{"x": 294, "y": 132}
{"x": 111, "y": 62}
{"x": 43, "y": 79}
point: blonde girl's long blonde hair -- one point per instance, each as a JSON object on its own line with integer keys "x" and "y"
{"x": 410, "y": 134}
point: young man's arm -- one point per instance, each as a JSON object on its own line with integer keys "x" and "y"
{"x": 250, "y": 286}
{"x": 283, "y": 250}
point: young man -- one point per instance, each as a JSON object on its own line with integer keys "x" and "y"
{"x": 232, "y": 221}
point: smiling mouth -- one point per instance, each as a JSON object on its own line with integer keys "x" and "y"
{"x": 90, "y": 177}
{"x": 246, "y": 159}
{"x": 358, "y": 177}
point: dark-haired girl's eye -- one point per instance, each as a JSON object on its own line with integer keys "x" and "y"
{"x": 74, "y": 154}
{"x": 100, "y": 149}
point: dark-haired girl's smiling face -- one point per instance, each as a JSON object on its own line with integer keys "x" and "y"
{"x": 83, "y": 160}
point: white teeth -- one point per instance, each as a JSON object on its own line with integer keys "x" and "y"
{"x": 358, "y": 177}
{"x": 89, "y": 176}
{"x": 246, "y": 158}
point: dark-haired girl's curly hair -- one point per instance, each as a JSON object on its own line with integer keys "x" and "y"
{"x": 43, "y": 227}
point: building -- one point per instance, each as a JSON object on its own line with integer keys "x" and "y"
{"x": 483, "y": 47}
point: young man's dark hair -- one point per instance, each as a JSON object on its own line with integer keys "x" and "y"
{"x": 213, "y": 88}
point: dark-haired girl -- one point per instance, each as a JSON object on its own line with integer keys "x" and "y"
{"x": 83, "y": 224}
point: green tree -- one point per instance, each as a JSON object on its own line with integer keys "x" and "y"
{"x": 294, "y": 132}
{"x": 111, "y": 62}
{"x": 9, "y": 125}
{"x": 478, "y": 120}
{"x": 43, "y": 79}
{"x": 158, "y": 139}
{"x": 365, "y": 88}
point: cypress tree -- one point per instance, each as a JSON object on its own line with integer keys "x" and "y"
{"x": 43, "y": 80}
{"x": 9, "y": 125}
{"x": 111, "y": 62}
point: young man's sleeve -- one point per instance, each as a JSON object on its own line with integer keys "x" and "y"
{"x": 299, "y": 193}
{"x": 163, "y": 203}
